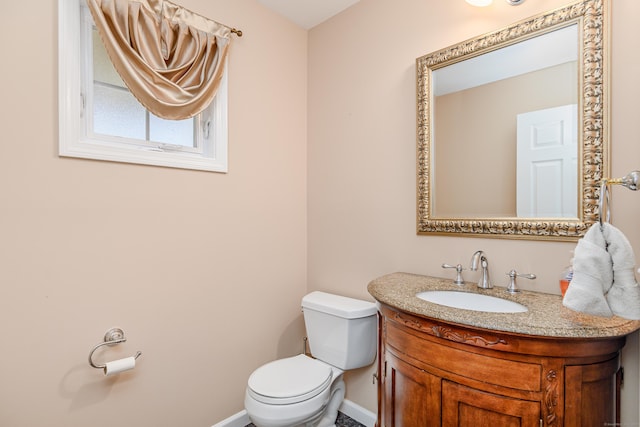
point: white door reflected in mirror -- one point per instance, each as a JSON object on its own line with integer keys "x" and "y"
{"x": 547, "y": 163}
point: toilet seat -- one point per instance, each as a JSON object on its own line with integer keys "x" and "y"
{"x": 290, "y": 380}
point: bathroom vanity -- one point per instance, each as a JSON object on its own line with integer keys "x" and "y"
{"x": 443, "y": 366}
{"x": 472, "y": 366}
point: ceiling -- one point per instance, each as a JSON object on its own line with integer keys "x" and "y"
{"x": 308, "y": 13}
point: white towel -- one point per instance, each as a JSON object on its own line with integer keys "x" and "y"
{"x": 624, "y": 295}
{"x": 592, "y": 275}
{"x": 603, "y": 281}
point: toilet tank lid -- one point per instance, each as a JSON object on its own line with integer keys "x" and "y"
{"x": 337, "y": 305}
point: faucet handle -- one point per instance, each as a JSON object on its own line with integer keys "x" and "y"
{"x": 513, "y": 288}
{"x": 459, "y": 280}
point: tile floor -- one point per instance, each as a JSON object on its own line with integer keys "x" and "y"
{"x": 345, "y": 421}
{"x": 342, "y": 421}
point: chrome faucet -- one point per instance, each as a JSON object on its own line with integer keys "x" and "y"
{"x": 480, "y": 258}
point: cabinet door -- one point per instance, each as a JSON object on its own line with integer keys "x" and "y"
{"x": 467, "y": 407}
{"x": 590, "y": 395}
{"x": 412, "y": 396}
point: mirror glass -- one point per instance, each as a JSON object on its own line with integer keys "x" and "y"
{"x": 512, "y": 129}
{"x": 520, "y": 149}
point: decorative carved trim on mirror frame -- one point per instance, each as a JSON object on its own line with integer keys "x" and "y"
{"x": 590, "y": 15}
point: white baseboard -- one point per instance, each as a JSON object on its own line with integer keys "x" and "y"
{"x": 240, "y": 419}
{"x": 350, "y": 409}
{"x": 358, "y": 413}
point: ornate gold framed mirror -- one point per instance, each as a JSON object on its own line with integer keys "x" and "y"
{"x": 512, "y": 128}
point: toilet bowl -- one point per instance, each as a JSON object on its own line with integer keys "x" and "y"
{"x": 295, "y": 391}
{"x": 307, "y": 391}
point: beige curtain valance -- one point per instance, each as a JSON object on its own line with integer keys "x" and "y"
{"x": 171, "y": 59}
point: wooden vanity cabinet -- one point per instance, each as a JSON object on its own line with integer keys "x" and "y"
{"x": 434, "y": 373}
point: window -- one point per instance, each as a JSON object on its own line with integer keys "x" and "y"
{"x": 100, "y": 118}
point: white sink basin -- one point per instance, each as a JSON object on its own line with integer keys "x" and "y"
{"x": 471, "y": 301}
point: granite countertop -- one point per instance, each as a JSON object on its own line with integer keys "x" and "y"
{"x": 546, "y": 316}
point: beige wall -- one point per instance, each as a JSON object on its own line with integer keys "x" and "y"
{"x": 203, "y": 271}
{"x": 361, "y": 153}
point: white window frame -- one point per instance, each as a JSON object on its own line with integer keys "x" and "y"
{"x": 76, "y": 139}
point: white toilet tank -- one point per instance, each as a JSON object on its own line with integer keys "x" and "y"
{"x": 341, "y": 330}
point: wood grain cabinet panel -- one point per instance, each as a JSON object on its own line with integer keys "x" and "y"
{"x": 433, "y": 373}
{"x": 411, "y": 395}
{"x": 466, "y": 407}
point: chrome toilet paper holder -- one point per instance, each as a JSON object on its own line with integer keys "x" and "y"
{"x": 112, "y": 337}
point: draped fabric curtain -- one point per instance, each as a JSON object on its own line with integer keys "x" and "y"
{"x": 171, "y": 59}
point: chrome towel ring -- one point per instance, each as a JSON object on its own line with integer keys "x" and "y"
{"x": 112, "y": 337}
{"x": 630, "y": 181}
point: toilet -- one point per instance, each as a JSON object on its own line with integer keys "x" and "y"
{"x": 307, "y": 391}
